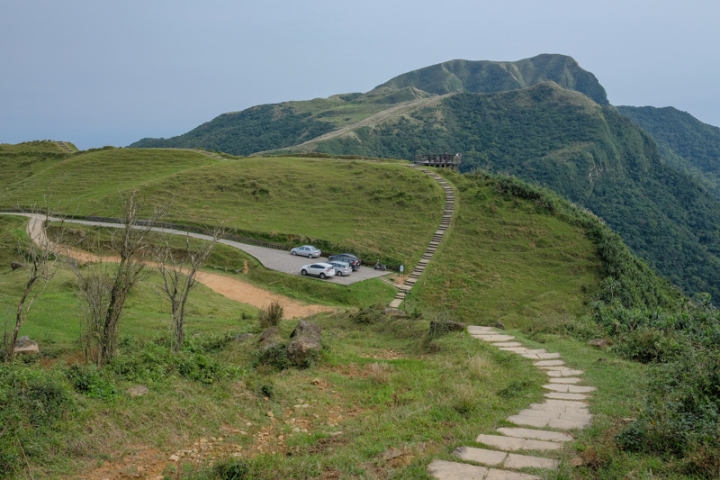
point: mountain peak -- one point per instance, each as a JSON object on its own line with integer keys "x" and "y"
{"x": 487, "y": 76}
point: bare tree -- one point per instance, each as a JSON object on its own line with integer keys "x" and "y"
{"x": 179, "y": 269}
{"x": 41, "y": 263}
{"x": 104, "y": 291}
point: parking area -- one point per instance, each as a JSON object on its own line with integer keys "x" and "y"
{"x": 282, "y": 261}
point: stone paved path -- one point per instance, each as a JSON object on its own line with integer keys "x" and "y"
{"x": 436, "y": 239}
{"x": 542, "y": 428}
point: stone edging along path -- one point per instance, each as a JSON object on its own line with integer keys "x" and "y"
{"x": 403, "y": 290}
{"x": 542, "y": 427}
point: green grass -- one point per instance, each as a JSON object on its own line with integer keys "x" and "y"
{"x": 503, "y": 260}
{"x": 381, "y": 210}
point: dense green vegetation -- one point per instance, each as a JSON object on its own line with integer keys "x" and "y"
{"x": 685, "y": 142}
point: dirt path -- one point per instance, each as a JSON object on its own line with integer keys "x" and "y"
{"x": 228, "y": 287}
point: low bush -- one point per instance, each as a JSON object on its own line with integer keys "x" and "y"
{"x": 88, "y": 380}
{"x": 682, "y": 413}
{"x": 369, "y": 315}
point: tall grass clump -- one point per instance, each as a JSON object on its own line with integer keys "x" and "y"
{"x": 271, "y": 316}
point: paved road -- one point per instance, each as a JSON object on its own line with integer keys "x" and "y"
{"x": 273, "y": 259}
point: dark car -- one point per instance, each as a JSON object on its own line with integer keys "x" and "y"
{"x": 348, "y": 258}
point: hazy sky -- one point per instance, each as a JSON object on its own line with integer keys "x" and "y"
{"x": 98, "y": 72}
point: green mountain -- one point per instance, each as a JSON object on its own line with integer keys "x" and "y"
{"x": 543, "y": 119}
{"x": 270, "y": 127}
{"x": 685, "y": 142}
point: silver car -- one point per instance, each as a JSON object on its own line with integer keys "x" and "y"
{"x": 306, "y": 251}
{"x": 322, "y": 270}
{"x": 341, "y": 268}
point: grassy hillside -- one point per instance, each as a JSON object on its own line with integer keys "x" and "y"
{"x": 584, "y": 151}
{"x": 380, "y": 210}
{"x": 685, "y": 142}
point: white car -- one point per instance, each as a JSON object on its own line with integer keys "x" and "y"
{"x": 342, "y": 269}
{"x": 322, "y": 270}
{"x": 306, "y": 251}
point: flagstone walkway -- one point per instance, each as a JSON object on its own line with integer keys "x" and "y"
{"x": 542, "y": 428}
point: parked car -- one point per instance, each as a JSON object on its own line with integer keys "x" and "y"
{"x": 306, "y": 251}
{"x": 347, "y": 258}
{"x": 322, "y": 270}
{"x": 341, "y": 268}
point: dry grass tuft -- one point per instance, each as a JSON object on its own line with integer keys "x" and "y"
{"x": 380, "y": 372}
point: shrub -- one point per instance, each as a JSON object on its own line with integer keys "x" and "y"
{"x": 271, "y": 316}
{"x": 369, "y": 315}
{"x": 230, "y": 470}
{"x": 682, "y": 413}
{"x": 274, "y": 355}
{"x": 88, "y": 380}
{"x": 648, "y": 345}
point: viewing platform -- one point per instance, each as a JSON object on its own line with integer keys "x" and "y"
{"x": 445, "y": 160}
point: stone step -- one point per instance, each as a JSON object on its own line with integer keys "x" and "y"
{"x": 555, "y": 387}
{"x": 494, "y": 337}
{"x": 533, "y": 434}
{"x": 565, "y": 380}
{"x": 494, "y": 458}
{"x": 479, "y": 330}
{"x": 566, "y": 396}
{"x": 514, "y": 444}
{"x": 444, "y": 470}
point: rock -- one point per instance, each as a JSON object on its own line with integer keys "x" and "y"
{"x": 316, "y": 381}
{"x": 499, "y": 325}
{"x": 16, "y": 265}
{"x": 394, "y": 313}
{"x": 243, "y": 337}
{"x": 270, "y": 335}
{"x": 303, "y": 351}
{"x": 138, "y": 391}
{"x": 25, "y": 346}
{"x": 174, "y": 458}
{"x": 270, "y": 414}
{"x": 306, "y": 329}
{"x": 576, "y": 462}
{"x": 600, "y": 343}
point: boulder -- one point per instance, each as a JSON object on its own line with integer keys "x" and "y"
{"x": 394, "y": 313}
{"x": 270, "y": 336}
{"x": 303, "y": 351}
{"x": 25, "y": 346}
{"x": 16, "y": 265}
{"x": 306, "y": 329}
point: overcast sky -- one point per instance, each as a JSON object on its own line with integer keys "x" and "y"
{"x": 98, "y": 73}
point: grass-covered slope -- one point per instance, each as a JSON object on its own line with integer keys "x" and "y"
{"x": 685, "y": 142}
{"x": 277, "y": 126}
{"x": 584, "y": 151}
{"x": 381, "y": 210}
